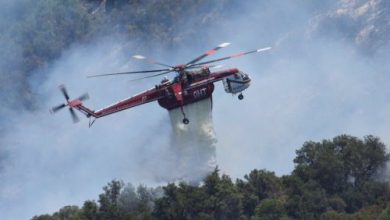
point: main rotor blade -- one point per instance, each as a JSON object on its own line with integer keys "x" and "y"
{"x": 75, "y": 118}
{"x": 140, "y": 57}
{"x": 132, "y": 72}
{"x": 151, "y": 76}
{"x": 208, "y": 53}
{"x": 196, "y": 66}
{"x": 64, "y": 92}
{"x": 233, "y": 56}
{"x": 84, "y": 97}
{"x": 57, "y": 108}
{"x": 216, "y": 66}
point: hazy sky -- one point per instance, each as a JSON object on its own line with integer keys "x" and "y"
{"x": 309, "y": 87}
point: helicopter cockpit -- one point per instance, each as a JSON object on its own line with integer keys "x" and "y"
{"x": 236, "y": 83}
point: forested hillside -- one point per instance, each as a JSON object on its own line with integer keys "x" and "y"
{"x": 342, "y": 178}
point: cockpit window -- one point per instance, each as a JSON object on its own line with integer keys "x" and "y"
{"x": 244, "y": 76}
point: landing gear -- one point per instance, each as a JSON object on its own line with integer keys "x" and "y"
{"x": 185, "y": 119}
{"x": 241, "y": 96}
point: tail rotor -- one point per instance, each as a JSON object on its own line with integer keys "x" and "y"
{"x": 70, "y": 103}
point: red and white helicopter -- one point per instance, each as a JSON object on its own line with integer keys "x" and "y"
{"x": 193, "y": 82}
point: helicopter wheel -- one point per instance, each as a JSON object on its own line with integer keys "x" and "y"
{"x": 241, "y": 96}
{"x": 186, "y": 121}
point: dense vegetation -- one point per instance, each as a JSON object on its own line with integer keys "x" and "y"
{"x": 341, "y": 178}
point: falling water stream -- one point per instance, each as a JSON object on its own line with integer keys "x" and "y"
{"x": 193, "y": 145}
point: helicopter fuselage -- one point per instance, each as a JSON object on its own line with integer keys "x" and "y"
{"x": 200, "y": 86}
{"x": 189, "y": 95}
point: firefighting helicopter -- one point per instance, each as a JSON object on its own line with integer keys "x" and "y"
{"x": 194, "y": 82}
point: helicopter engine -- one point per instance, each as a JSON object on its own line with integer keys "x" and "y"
{"x": 236, "y": 83}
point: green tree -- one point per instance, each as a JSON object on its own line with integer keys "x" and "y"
{"x": 90, "y": 210}
{"x": 362, "y": 158}
{"x": 108, "y": 200}
{"x": 69, "y": 213}
{"x": 270, "y": 209}
{"x": 258, "y": 185}
{"x": 346, "y": 166}
{"x": 168, "y": 206}
{"x": 344, "y": 161}
{"x": 262, "y": 183}
{"x": 217, "y": 198}
{"x": 228, "y": 199}
{"x": 322, "y": 162}
{"x": 306, "y": 200}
